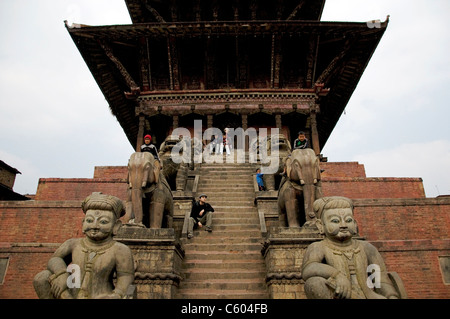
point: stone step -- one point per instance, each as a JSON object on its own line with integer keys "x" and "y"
{"x": 243, "y": 234}
{"x": 226, "y": 186}
{"x": 236, "y": 207}
{"x": 226, "y": 240}
{"x": 229, "y": 247}
{"x": 220, "y": 264}
{"x": 234, "y": 213}
{"x": 235, "y": 227}
{"x": 222, "y": 196}
{"x": 244, "y": 176}
{"x": 223, "y": 213}
{"x": 223, "y": 258}
{"x": 244, "y": 180}
{"x": 230, "y": 220}
{"x": 229, "y": 202}
{"x": 228, "y": 192}
{"x": 221, "y": 294}
{"x": 209, "y": 174}
{"x": 230, "y": 164}
{"x": 226, "y": 263}
{"x": 220, "y": 184}
{"x": 220, "y": 200}
{"x": 196, "y": 274}
{"x": 225, "y": 236}
{"x": 223, "y": 284}
{"x": 244, "y": 257}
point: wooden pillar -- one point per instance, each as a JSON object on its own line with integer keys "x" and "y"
{"x": 314, "y": 133}
{"x": 275, "y": 61}
{"x": 244, "y": 119}
{"x": 140, "y": 135}
{"x": 144, "y": 63}
{"x": 209, "y": 120}
{"x": 244, "y": 122}
{"x": 175, "y": 120}
{"x": 278, "y": 121}
{"x": 173, "y": 63}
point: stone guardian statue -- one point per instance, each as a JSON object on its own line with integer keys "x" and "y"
{"x": 83, "y": 268}
{"x": 341, "y": 267}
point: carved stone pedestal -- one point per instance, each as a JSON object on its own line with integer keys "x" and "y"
{"x": 158, "y": 256}
{"x": 283, "y": 252}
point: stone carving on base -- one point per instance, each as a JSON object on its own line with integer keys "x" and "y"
{"x": 150, "y": 199}
{"x": 301, "y": 187}
{"x": 83, "y": 268}
{"x": 340, "y": 266}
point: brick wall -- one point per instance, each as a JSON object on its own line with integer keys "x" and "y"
{"x": 111, "y": 172}
{"x": 40, "y": 221}
{"x": 410, "y": 234}
{"x": 403, "y": 219}
{"x": 342, "y": 169}
{"x": 78, "y": 188}
{"x": 417, "y": 263}
{"x": 409, "y": 230}
{"x": 373, "y": 187}
{"x": 25, "y": 261}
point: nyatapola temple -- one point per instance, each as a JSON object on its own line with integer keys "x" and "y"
{"x": 223, "y": 84}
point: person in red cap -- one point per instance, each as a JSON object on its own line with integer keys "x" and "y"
{"x": 149, "y": 147}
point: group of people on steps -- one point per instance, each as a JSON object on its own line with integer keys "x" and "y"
{"x": 201, "y": 212}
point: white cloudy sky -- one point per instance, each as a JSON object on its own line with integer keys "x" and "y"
{"x": 55, "y": 122}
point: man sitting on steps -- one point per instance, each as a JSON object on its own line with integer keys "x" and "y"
{"x": 201, "y": 213}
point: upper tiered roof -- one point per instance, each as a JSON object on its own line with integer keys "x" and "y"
{"x": 143, "y": 11}
{"x": 247, "y": 46}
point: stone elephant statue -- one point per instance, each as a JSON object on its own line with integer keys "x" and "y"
{"x": 150, "y": 200}
{"x": 175, "y": 173}
{"x": 298, "y": 191}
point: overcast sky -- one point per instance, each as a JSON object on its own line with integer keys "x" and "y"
{"x": 55, "y": 122}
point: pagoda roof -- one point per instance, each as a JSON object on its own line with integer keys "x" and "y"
{"x": 338, "y": 51}
{"x": 142, "y": 11}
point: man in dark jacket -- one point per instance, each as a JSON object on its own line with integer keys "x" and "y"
{"x": 201, "y": 213}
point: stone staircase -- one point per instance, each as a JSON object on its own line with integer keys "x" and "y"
{"x": 226, "y": 263}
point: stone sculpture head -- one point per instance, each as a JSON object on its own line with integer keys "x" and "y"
{"x": 335, "y": 218}
{"x": 102, "y": 216}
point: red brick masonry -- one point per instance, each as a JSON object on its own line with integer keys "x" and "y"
{"x": 410, "y": 231}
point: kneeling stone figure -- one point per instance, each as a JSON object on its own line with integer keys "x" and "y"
{"x": 340, "y": 266}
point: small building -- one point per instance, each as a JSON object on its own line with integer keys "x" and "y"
{"x": 7, "y": 179}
